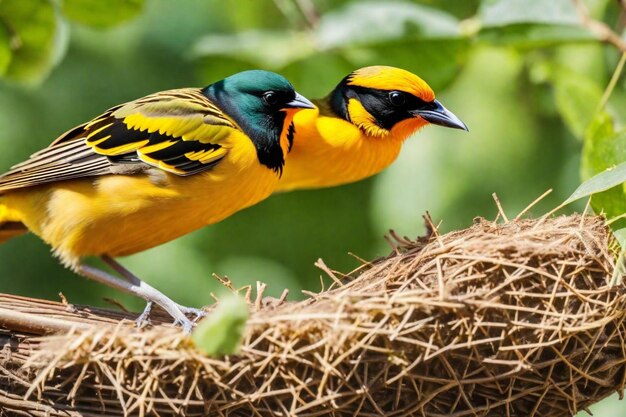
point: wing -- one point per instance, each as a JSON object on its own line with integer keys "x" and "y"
{"x": 178, "y": 131}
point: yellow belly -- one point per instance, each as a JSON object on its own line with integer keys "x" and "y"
{"x": 329, "y": 152}
{"x": 119, "y": 215}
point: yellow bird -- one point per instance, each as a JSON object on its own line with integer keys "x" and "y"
{"x": 151, "y": 170}
{"x": 359, "y": 128}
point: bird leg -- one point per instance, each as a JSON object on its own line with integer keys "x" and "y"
{"x": 145, "y": 315}
{"x": 137, "y": 287}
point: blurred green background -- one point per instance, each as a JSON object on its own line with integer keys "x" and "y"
{"x": 525, "y": 76}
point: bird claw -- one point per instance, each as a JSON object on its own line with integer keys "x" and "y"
{"x": 198, "y": 313}
{"x": 144, "y": 318}
{"x": 187, "y": 325}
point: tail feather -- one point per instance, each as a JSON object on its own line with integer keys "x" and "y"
{"x": 10, "y": 224}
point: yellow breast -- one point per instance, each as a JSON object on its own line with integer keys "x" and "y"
{"x": 328, "y": 151}
{"x": 119, "y": 215}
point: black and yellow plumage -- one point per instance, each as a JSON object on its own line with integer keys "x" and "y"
{"x": 359, "y": 128}
{"x": 153, "y": 169}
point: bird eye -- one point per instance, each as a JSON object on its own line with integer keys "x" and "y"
{"x": 397, "y": 98}
{"x": 270, "y": 98}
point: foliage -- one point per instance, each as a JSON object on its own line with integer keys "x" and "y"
{"x": 527, "y": 76}
{"x": 606, "y": 180}
{"x": 530, "y": 24}
{"x": 603, "y": 168}
{"x": 31, "y": 38}
{"x": 221, "y": 332}
{"x": 33, "y": 35}
{"x": 101, "y": 14}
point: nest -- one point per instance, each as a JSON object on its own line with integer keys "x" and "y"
{"x": 514, "y": 319}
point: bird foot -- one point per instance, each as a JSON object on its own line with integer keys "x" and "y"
{"x": 135, "y": 286}
{"x": 187, "y": 325}
{"x": 198, "y": 313}
{"x": 144, "y": 318}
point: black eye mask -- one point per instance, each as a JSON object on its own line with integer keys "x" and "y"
{"x": 387, "y": 109}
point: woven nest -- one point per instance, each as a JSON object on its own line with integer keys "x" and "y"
{"x": 516, "y": 319}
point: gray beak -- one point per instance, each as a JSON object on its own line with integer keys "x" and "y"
{"x": 300, "y": 102}
{"x": 439, "y": 115}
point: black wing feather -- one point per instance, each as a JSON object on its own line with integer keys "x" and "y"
{"x": 109, "y": 145}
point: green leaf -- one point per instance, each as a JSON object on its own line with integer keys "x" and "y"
{"x": 268, "y": 49}
{"x": 221, "y": 332}
{"x": 507, "y": 12}
{"x": 605, "y": 180}
{"x": 102, "y": 14}
{"x": 386, "y": 32}
{"x": 530, "y": 23}
{"x": 36, "y": 38}
{"x": 576, "y": 96}
{"x": 368, "y": 22}
{"x": 620, "y": 235}
{"x": 527, "y": 35}
{"x": 361, "y": 33}
{"x": 604, "y": 148}
{"x": 252, "y": 14}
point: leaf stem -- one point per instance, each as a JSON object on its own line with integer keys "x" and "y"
{"x": 613, "y": 82}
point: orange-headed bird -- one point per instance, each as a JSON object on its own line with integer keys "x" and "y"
{"x": 359, "y": 128}
{"x": 151, "y": 170}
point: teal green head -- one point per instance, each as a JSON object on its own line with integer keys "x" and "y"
{"x": 260, "y": 103}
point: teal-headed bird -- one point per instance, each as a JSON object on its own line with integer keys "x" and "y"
{"x": 151, "y": 170}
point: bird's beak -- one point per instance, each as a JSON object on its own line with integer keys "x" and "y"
{"x": 300, "y": 102}
{"x": 439, "y": 115}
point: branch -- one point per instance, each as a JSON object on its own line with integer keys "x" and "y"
{"x": 600, "y": 29}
